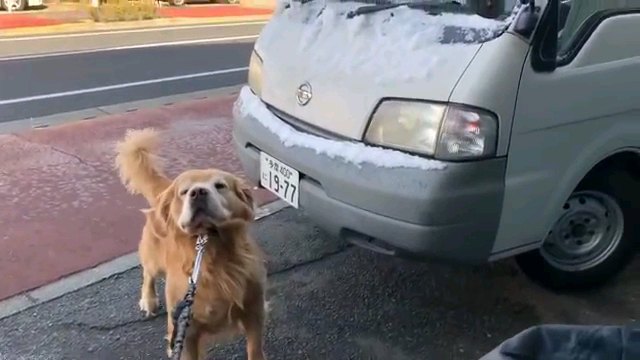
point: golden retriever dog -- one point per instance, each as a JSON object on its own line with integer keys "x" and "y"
{"x": 230, "y": 296}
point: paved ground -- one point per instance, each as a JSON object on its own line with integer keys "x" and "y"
{"x": 65, "y": 209}
{"x": 329, "y": 301}
{"x": 47, "y": 85}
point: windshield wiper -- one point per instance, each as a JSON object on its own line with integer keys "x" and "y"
{"x": 429, "y": 6}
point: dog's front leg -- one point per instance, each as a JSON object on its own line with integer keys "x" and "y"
{"x": 173, "y": 291}
{"x": 171, "y": 300}
{"x": 191, "y": 348}
{"x": 148, "y": 298}
{"x": 253, "y": 322}
{"x": 169, "y": 337}
{"x": 254, "y": 332}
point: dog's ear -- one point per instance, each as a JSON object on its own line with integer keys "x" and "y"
{"x": 162, "y": 208}
{"x": 157, "y": 228}
{"x": 243, "y": 192}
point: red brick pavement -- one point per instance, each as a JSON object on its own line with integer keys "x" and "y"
{"x": 10, "y": 21}
{"x": 63, "y": 208}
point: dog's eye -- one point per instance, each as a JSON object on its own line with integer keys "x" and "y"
{"x": 220, "y": 186}
{"x": 183, "y": 192}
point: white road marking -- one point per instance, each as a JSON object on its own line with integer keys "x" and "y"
{"x": 129, "y": 47}
{"x": 130, "y": 31}
{"x": 119, "y": 86}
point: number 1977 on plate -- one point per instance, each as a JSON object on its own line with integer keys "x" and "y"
{"x": 279, "y": 178}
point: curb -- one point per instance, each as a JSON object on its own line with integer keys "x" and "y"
{"x": 115, "y": 109}
{"x": 82, "y": 279}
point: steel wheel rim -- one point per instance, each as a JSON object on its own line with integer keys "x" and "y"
{"x": 12, "y": 5}
{"x": 587, "y": 232}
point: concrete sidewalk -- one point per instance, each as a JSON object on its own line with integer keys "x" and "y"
{"x": 65, "y": 209}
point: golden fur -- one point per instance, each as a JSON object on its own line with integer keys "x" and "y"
{"x": 231, "y": 288}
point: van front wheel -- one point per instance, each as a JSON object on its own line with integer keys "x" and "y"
{"x": 590, "y": 242}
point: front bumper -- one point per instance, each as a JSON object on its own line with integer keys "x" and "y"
{"x": 450, "y": 214}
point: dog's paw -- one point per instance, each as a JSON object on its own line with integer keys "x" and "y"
{"x": 169, "y": 349}
{"x": 149, "y": 306}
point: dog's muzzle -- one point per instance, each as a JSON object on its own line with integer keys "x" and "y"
{"x": 206, "y": 207}
{"x": 199, "y": 198}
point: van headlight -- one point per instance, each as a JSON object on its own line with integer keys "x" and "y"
{"x": 255, "y": 73}
{"x": 443, "y": 131}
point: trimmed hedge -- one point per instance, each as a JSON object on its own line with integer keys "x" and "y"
{"x": 123, "y": 10}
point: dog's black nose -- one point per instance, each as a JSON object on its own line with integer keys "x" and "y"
{"x": 199, "y": 194}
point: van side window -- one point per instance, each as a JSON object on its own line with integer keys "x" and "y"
{"x": 577, "y": 16}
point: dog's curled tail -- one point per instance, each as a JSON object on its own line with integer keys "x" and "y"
{"x": 139, "y": 166}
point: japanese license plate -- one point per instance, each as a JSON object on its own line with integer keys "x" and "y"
{"x": 280, "y": 179}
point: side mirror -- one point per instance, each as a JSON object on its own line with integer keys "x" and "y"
{"x": 563, "y": 14}
{"x": 490, "y": 9}
{"x": 527, "y": 20}
{"x": 544, "y": 48}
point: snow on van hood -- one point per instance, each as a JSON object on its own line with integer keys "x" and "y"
{"x": 357, "y": 153}
{"x": 399, "y": 44}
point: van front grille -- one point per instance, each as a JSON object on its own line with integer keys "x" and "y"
{"x": 304, "y": 127}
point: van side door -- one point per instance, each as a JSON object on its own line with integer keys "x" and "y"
{"x": 569, "y": 119}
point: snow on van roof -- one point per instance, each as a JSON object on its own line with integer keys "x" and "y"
{"x": 356, "y": 153}
{"x": 389, "y": 45}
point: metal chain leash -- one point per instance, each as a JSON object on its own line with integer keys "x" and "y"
{"x": 182, "y": 313}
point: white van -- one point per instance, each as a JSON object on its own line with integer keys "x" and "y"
{"x": 468, "y": 131}
{"x": 19, "y": 5}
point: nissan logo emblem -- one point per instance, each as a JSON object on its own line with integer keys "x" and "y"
{"x": 303, "y": 94}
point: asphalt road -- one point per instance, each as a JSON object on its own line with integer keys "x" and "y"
{"x": 329, "y": 301}
{"x": 41, "y": 85}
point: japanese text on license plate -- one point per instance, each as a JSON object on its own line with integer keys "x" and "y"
{"x": 279, "y": 178}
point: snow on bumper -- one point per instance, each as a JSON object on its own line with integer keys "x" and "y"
{"x": 381, "y": 199}
{"x": 249, "y": 104}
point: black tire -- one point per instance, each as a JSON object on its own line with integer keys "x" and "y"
{"x": 22, "y": 5}
{"x": 616, "y": 185}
